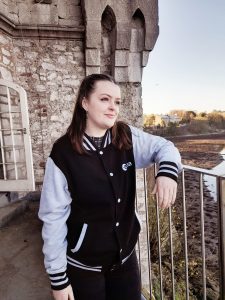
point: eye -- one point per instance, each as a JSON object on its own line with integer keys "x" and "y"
{"x": 104, "y": 99}
{"x": 118, "y": 102}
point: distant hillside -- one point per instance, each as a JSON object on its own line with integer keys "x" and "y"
{"x": 190, "y": 123}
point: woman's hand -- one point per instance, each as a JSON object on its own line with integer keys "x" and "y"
{"x": 166, "y": 189}
{"x": 65, "y": 294}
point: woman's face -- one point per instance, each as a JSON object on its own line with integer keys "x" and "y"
{"x": 102, "y": 107}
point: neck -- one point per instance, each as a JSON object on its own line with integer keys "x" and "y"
{"x": 94, "y": 132}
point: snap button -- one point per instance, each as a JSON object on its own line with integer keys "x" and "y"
{"x": 117, "y": 224}
{"x": 119, "y": 200}
{"x": 100, "y": 152}
{"x": 111, "y": 174}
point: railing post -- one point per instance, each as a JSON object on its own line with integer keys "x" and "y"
{"x": 221, "y": 199}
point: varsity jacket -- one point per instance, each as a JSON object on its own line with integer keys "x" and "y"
{"x": 88, "y": 201}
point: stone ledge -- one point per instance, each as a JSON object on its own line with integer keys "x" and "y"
{"x": 40, "y": 31}
{"x": 10, "y": 211}
{"x": 43, "y": 1}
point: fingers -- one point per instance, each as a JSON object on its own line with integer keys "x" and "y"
{"x": 64, "y": 294}
{"x": 71, "y": 296}
{"x": 174, "y": 194}
{"x": 165, "y": 189}
{"x": 161, "y": 197}
{"x": 154, "y": 189}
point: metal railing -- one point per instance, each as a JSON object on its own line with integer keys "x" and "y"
{"x": 196, "y": 224}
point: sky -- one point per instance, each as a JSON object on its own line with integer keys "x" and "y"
{"x": 186, "y": 69}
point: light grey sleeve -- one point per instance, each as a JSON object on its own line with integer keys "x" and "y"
{"x": 149, "y": 149}
{"x": 54, "y": 211}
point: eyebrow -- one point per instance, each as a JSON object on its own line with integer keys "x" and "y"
{"x": 108, "y": 95}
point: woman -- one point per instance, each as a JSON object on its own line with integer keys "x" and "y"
{"x": 88, "y": 198}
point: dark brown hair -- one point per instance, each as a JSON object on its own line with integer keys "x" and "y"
{"x": 75, "y": 131}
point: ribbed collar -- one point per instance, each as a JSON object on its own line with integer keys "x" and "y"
{"x": 89, "y": 144}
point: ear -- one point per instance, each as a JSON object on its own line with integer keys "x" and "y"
{"x": 85, "y": 104}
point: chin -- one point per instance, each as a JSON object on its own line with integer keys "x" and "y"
{"x": 109, "y": 125}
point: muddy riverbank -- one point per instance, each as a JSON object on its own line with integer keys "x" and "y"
{"x": 208, "y": 136}
{"x": 202, "y": 153}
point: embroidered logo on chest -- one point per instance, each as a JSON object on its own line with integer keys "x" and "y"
{"x": 126, "y": 166}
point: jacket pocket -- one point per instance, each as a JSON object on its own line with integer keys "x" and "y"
{"x": 80, "y": 239}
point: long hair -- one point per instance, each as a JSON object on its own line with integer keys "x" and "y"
{"x": 76, "y": 129}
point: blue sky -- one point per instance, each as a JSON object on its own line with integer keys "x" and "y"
{"x": 186, "y": 69}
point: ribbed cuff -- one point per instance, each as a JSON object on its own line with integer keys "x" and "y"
{"x": 59, "y": 281}
{"x": 168, "y": 169}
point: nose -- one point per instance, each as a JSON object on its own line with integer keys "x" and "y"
{"x": 112, "y": 105}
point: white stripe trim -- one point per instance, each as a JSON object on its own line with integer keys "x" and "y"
{"x": 77, "y": 262}
{"x": 85, "y": 268}
{"x": 89, "y": 143}
{"x": 81, "y": 238}
{"x": 89, "y": 146}
{"x": 126, "y": 258}
{"x": 59, "y": 283}
{"x": 168, "y": 166}
{"x": 56, "y": 272}
{"x": 106, "y": 140}
{"x": 86, "y": 146}
{"x": 57, "y": 277}
{"x": 110, "y": 137}
{"x": 167, "y": 171}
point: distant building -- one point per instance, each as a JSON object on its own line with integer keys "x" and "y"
{"x": 164, "y": 120}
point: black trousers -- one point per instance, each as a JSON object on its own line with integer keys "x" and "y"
{"x": 120, "y": 283}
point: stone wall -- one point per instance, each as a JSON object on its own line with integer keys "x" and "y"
{"x": 51, "y": 78}
{"x": 7, "y": 61}
{"x": 117, "y": 41}
{"x": 131, "y": 107}
{"x": 50, "y": 71}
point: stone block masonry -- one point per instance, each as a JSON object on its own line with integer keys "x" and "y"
{"x": 51, "y": 72}
{"x": 7, "y": 65}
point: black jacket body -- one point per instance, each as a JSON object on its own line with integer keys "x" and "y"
{"x": 102, "y": 187}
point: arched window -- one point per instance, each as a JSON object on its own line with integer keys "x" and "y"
{"x": 137, "y": 32}
{"x": 136, "y": 46}
{"x": 108, "y": 40}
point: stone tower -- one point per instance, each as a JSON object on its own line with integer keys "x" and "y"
{"x": 48, "y": 46}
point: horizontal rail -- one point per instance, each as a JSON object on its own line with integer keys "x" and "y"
{"x": 203, "y": 171}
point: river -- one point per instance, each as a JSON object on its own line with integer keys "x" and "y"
{"x": 210, "y": 181}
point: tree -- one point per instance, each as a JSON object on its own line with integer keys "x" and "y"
{"x": 216, "y": 119}
{"x": 203, "y": 114}
{"x": 188, "y": 116}
{"x": 149, "y": 120}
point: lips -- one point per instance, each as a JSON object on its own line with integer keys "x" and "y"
{"x": 110, "y": 116}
